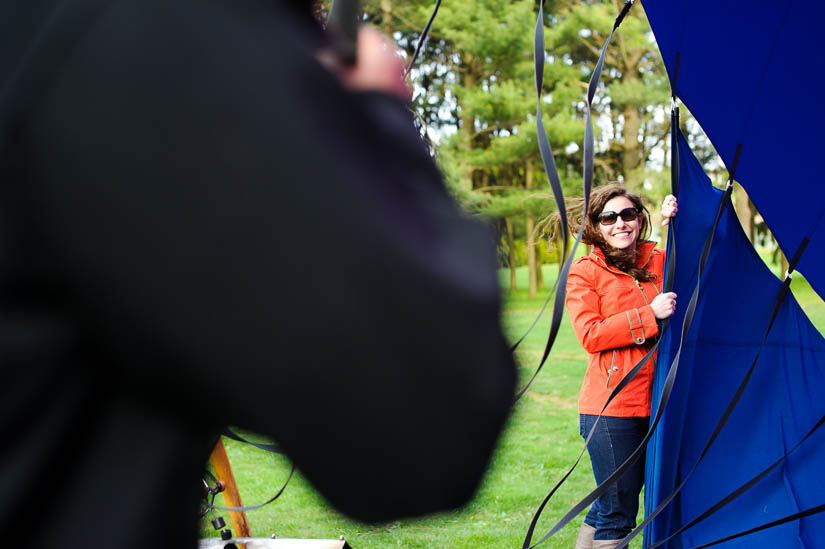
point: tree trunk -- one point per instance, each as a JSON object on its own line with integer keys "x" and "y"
{"x": 386, "y": 15}
{"x": 467, "y": 128}
{"x": 511, "y": 255}
{"x": 558, "y": 248}
{"x": 528, "y": 180}
{"x": 531, "y": 255}
{"x": 632, "y": 149}
{"x": 667, "y": 148}
{"x": 629, "y": 55}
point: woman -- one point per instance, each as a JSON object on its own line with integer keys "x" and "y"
{"x": 615, "y": 300}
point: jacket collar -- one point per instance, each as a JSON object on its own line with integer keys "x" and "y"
{"x": 646, "y": 247}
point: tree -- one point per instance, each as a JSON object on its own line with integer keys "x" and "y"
{"x": 475, "y": 91}
{"x": 630, "y": 109}
{"x": 494, "y": 151}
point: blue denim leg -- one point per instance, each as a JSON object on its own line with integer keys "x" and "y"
{"x": 613, "y": 514}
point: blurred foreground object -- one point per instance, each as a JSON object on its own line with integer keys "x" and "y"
{"x": 201, "y": 226}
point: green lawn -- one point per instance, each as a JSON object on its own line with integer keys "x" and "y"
{"x": 538, "y": 446}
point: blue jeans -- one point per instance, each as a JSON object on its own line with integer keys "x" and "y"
{"x": 613, "y": 514}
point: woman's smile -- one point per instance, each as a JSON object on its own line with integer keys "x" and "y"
{"x": 622, "y": 234}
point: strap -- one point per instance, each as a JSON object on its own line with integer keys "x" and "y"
{"x": 547, "y": 158}
{"x": 676, "y": 72}
{"x": 538, "y": 316}
{"x": 558, "y": 311}
{"x": 789, "y": 518}
{"x": 421, "y": 38}
{"x": 552, "y": 173}
{"x": 210, "y": 506}
{"x": 674, "y": 188}
{"x": 797, "y": 255}
{"x": 229, "y": 433}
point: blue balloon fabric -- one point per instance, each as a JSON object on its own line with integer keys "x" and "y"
{"x": 783, "y": 401}
{"x": 750, "y": 72}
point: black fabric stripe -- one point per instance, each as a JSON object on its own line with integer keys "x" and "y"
{"x": 562, "y": 281}
{"x": 421, "y": 38}
{"x": 789, "y": 518}
{"x": 229, "y": 433}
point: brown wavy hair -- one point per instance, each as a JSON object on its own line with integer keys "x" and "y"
{"x": 622, "y": 259}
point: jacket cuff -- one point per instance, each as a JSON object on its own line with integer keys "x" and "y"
{"x": 642, "y": 324}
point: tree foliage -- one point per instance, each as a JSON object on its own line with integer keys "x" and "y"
{"x": 474, "y": 93}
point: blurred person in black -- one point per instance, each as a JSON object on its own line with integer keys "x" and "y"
{"x": 202, "y": 225}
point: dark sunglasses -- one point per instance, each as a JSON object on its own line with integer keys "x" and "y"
{"x": 627, "y": 215}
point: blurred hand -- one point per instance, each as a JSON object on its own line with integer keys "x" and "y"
{"x": 669, "y": 209}
{"x": 663, "y": 305}
{"x": 378, "y": 65}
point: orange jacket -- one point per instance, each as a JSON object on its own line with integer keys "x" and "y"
{"x": 612, "y": 318}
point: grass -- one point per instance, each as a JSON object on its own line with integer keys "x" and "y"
{"x": 539, "y": 444}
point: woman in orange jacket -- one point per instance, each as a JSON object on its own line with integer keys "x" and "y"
{"x": 615, "y": 299}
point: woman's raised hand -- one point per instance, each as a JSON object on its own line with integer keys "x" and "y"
{"x": 669, "y": 209}
{"x": 663, "y": 305}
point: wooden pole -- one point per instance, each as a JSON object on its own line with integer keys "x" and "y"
{"x": 220, "y": 461}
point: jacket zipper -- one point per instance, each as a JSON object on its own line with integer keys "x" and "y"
{"x": 639, "y": 285}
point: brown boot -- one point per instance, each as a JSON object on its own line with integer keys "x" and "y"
{"x": 606, "y": 543}
{"x": 585, "y": 539}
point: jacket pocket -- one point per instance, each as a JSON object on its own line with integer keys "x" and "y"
{"x": 611, "y": 369}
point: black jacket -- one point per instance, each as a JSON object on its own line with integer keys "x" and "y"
{"x": 200, "y": 227}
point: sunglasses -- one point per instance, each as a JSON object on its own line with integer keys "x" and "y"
{"x": 627, "y": 215}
